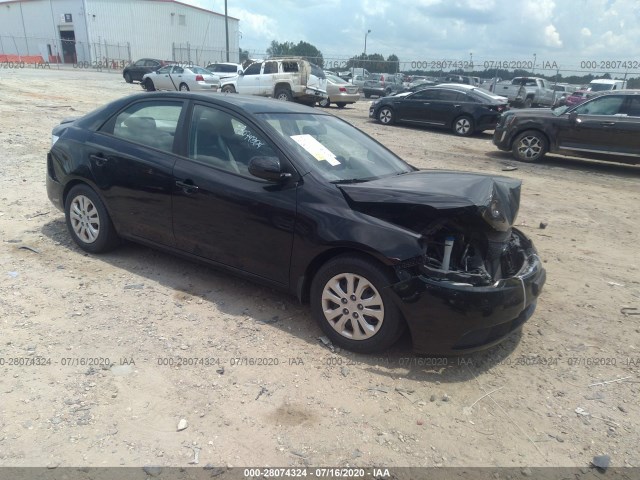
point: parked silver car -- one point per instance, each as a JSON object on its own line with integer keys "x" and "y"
{"x": 340, "y": 92}
{"x": 175, "y": 77}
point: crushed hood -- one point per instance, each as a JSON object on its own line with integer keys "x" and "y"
{"x": 441, "y": 190}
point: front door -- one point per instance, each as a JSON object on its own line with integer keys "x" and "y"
{"x": 223, "y": 213}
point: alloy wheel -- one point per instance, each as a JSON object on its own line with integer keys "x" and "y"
{"x": 85, "y": 220}
{"x": 352, "y": 306}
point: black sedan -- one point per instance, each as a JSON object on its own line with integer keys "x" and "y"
{"x": 139, "y": 68}
{"x": 303, "y": 201}
{"x": 461, "y": 108}
{"x": 606, "y": 127}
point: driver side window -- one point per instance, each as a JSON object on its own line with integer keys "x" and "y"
{"x": 608, "y": 105}
{"x": 223, "y": 141}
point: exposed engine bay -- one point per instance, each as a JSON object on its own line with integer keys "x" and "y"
{"x": 465, "y": 255}
{"x": 467, "y": 236}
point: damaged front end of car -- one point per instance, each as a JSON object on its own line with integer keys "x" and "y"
{"x": 478, "y": 277}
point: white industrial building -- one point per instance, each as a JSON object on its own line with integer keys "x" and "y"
{"x": 80, "y": 31}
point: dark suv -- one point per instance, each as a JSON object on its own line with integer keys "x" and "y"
{"x": 606, "y": 127}
{"x": 139, "y": 68}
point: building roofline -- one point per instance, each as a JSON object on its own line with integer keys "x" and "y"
{"x": 10, "y": 2}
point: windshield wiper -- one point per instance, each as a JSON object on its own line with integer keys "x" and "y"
{"x": 351, "y": 180}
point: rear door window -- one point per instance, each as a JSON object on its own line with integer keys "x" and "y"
{"x": 151, "y": 123}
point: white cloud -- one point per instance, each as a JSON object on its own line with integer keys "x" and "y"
{"x": 552, "y": 37}
{"x": 585, "y": 32}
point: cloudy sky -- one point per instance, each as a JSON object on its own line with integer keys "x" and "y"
{"x": 568, "y": 32}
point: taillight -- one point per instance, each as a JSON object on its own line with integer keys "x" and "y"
{"x": 342, "y": 89}
{"x": 199, "y": 78}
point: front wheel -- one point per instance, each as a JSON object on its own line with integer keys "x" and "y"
{"x": 88, "y": 221}
{"x": 228, "y": 89}
{"x": 324, "y": 103}
{"x": 528, "y": 103}
{"x": 530, "y": 146}
{"x": 350, "y": 301}
{"x": 127, "y": 78}
{"x": 386, "y": 116}
{"x": 463, "y": 126}
{"x": 184, "y": 87}
{"x": 148, "y": 85}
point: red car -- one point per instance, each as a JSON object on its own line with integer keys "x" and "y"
{"x": 579, "y": 96}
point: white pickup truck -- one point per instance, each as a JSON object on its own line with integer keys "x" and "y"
{"x": 527, "y": 92}
{"x": 290, "y": 79}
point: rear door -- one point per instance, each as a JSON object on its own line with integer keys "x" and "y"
{"x": 132, "y": 158}
{"x": 626, "y": 132}
{"x": 267, "y": 78}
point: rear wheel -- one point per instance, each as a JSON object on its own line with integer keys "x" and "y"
{"x": 351, "y": 303}
{"x": 386, "y": 116}
{"x": 341, "y": 104}
{"x": 284, "y": 94}
{"x": 463, "y": 126}
{"x": 367, "y": 95}
{"x": 530, "y": 146}
{"x": 184, "y": 87}
{"x": 228, "y": 89}
{"x": 88, "y": 221}
{"x": 528, "y": 103}
{"x": 148, "y": 85}
{"x": 127, "y": 78}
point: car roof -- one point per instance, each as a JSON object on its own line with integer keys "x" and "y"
{"x": 456, "y": 86}
{"x": 249, "y": 103}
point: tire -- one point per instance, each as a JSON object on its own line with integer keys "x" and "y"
{"x": 356, "y": 285}
{"x": 148, "y": 85}
{"x": 127, "y": 78}
{"x": 528, "y": 103}
{"x": 184, "y": 87}
{"x": 283, "y": 94}
{"x": 388, "y": 92}
{"x": 463, "y": 126}
{"x": 341, "y": 104}
{"x": 530, "y": 146}
{"x": 367, "y": 95}
{"x": 88, "y": 222}
{"x": 324, "y": 103}
{"x": 228, "y": 89}
{"x": 386, "y": 115}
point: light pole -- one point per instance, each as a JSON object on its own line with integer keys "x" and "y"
{"x": 534, "y": 64}
{"x": 365, "y": 42}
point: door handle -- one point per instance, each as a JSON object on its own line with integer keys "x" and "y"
{"x": 426, "y": 103}
{"x": 607, "y": 124}
{"x": 187, "y": 186}
{"x": 456, "y": 106}
{"x": 100, "y": 159}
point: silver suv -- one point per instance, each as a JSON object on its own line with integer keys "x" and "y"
{"x": 291, "y": 79}
{"x": 381, "y": 84}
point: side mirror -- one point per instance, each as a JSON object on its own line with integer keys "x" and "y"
{"x": 267, "y": 168}
{"x": 240, "y": 72}
{"x": 573, "y": 118}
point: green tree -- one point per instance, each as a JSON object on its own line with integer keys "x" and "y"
{"x": 302, "y": 49}
{"x": 393, "y": 64}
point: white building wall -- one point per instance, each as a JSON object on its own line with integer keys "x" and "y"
{"x": 28, "y": 27}
{"x": 152, "y": 28}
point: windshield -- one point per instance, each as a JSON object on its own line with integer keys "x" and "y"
{"x": 335, "y": 149}
{"x": 334, "y": 79}
{"x": 600, "y": 87}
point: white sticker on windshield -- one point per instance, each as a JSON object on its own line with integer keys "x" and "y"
{"x": 315, "y": 148}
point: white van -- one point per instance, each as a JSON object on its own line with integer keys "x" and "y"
{"x": 603, "y": 84}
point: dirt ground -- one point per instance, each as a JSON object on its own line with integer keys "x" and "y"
{"x": 109, "y": 330}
